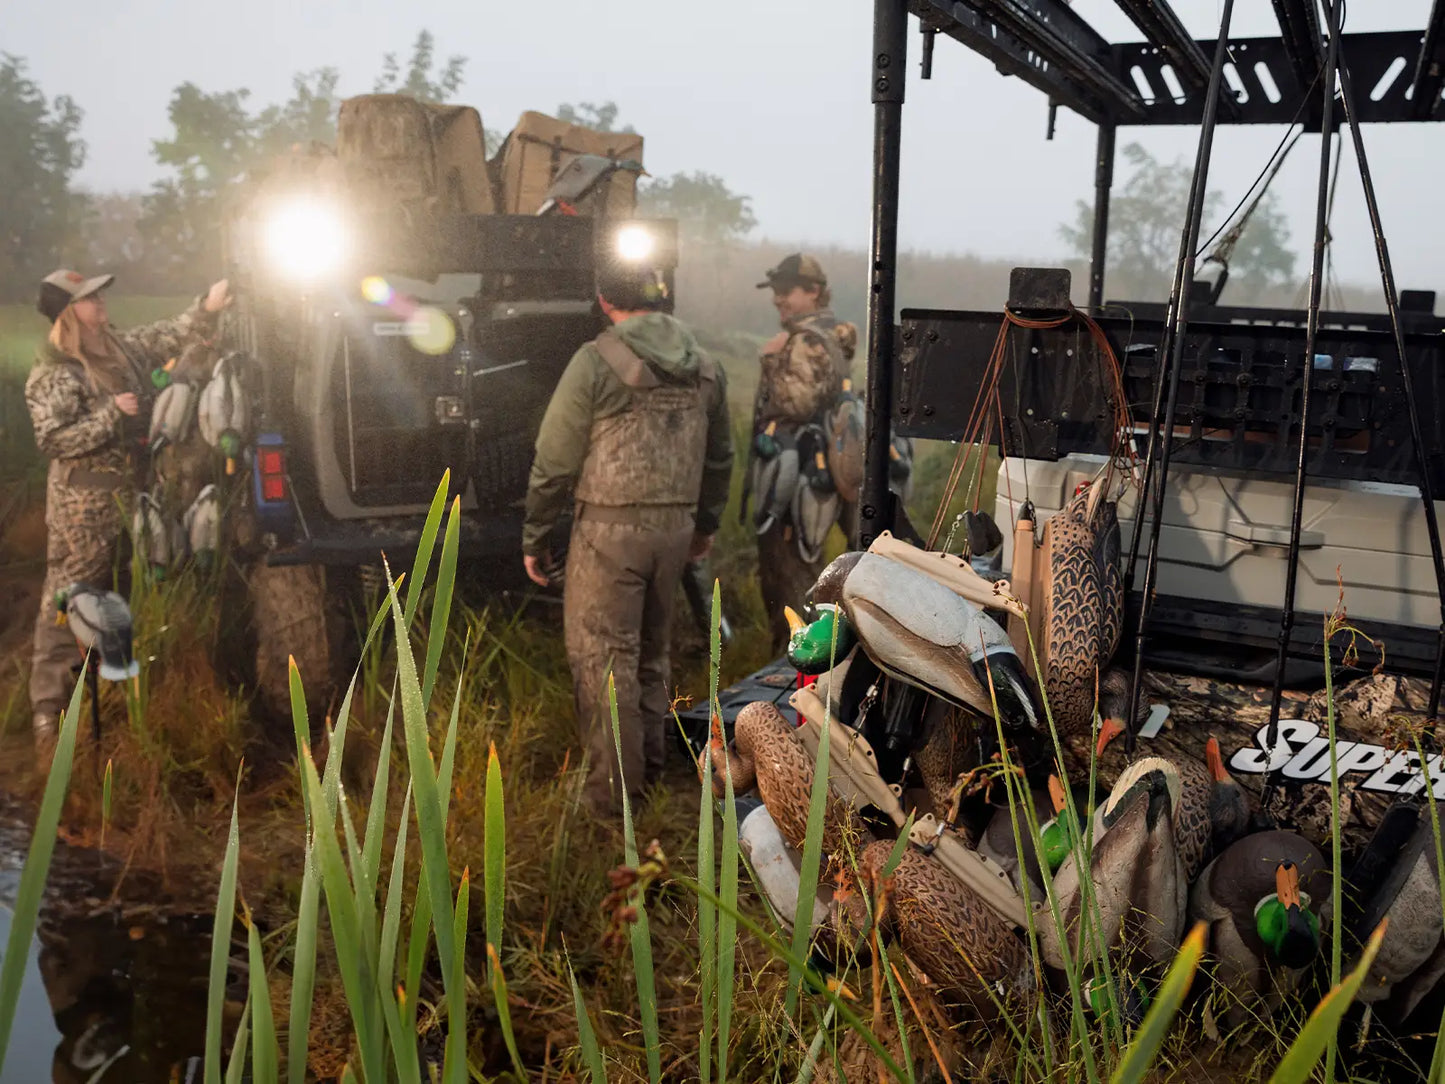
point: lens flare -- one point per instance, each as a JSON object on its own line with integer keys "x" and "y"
{"x": 377, "y": 290}
{"x": 305, "y": 239}
{"x": 431, "y": 331}
{"x": 635, "y": 243}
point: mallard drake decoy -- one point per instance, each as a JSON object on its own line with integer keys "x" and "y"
{"x": 203, "y": 525}
{"x": 223, "y": 412}
{"x": 1263, "y": 899}
{"x": 157, "y": 534}
{"x": 944, "y": 927}
{"x": 1058, "y": 834}
{"x": 917, "y": 630}
{"x": 1411, "y": 959}
{"x": 767, "y": 753}
{"x": 815, "y": 648}
{"x": 581, "y": 176}
{"x": 100, "y": 621}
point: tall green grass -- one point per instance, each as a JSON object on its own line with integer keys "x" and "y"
{"x": 372, "y": 905}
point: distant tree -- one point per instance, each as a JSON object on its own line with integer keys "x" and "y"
{"x": 40, "y": 150}
{"x": 600, "y": 118}
{"x": 1146, "y": 217}
{"x": 420, "y": 83}
{"x": 309, "y": 116}
{"x": 707, "y": 210}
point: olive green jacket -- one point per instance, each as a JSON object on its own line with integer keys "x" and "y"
{"x": 589, "y": 390}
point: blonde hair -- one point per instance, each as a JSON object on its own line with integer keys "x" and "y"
{"x": 106, "y": 368}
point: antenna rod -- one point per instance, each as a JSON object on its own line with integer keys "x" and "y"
{"x": 1312, "y": 329}
{"x": 1176, "y": 321}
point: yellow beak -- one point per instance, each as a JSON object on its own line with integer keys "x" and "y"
{"x": 794, "y": 621}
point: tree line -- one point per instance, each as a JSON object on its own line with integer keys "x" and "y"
{"x": 168, "y": 238}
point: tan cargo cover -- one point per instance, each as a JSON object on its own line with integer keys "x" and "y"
{"x": 540, "y": 146}
{"x": 394, "y": 149}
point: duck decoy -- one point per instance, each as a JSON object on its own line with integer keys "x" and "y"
{"x": 1411, "y": 959}
{"x": 1264, "y": 899}
{"x": 961, "y": 943}
{"x": 767, "y": 753}
{"x": 203, "y": 525}
{"x": 223, "y": 411}
{"x": 925, "y": 635}
{"x": 100, "y": 621}
{"x": 1138, "y": 882}
{"x": 817, "y": 647}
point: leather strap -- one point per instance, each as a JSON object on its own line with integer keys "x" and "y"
{"x": 89, "y": 479}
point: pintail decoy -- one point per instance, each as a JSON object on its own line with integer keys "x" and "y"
{"x": 925, "y": 635}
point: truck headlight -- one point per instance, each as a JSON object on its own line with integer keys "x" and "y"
{"x": 305, "y": 239}
{"x": 635, "y": 244}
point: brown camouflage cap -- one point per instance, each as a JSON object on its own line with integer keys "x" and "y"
{"x": 795, "y": 270}
{"x": 59, "y": 288}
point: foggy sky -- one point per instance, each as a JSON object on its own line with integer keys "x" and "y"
{"x": 770, "y": 94}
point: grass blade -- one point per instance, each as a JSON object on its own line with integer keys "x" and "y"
{"x": 37, "y": 869}
{"x": 586, "y": 1037}
{"x": 300, "y": 722}
{"x": 1299, "y": 1061}
{"x": 1437, "y": 1060}
{"x": 454, "y": 1067}
{"x": 303, "y": 971}
{"x": 236, "y": 1066}
{"x": 264, "y": 1051}
{"x": 396, "y": 888}
{"x": 641, "y": 933}
{"x": 221, "y": 946}
{"x": 707, "y": 915}
{"x": 425, "y": 544}
{"x": 494, "y": 850}
{"x": 1147, "y": 1040}
{"x": 504, "y": 1010}
{"x": 727, "y": 926}
{"x": 376, "y": 815}
{"x": 106, "y": 788}
{"x": 441, "y": 607}
{"x": 812, "y": 863}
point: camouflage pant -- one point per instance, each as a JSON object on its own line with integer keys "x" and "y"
{"x": 784, "y": 578}
{"x": 622, "y": 579}
{"x": 82, "y": 526}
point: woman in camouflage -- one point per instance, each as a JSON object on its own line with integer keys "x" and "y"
{"x": 89, "y": 400}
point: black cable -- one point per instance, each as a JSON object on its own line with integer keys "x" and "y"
{"x": 1268, "y": 165}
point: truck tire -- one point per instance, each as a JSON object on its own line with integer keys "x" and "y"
{"x": 290, "y": 618}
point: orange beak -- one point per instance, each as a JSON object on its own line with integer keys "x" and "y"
{"x": 1056, "y": 795}
{"x": 1215, "y": 761}
{"x": 1109, "y": 729}
{"x": 1286, "y": 884}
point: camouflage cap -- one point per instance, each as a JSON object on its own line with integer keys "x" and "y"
{"x": 59, "y": 288}
{"x": 795, "y": 270}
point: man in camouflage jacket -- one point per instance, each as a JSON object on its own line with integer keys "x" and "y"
{"x": 637, "y": 436}
{"x": 803, "y": 368}
{"x": 90, "y": 435}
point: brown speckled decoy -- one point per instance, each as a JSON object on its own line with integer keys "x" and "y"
{"x": 1082, "y": 593}
{"x": 944, "y": 927}
{"x": 767, "y": 752}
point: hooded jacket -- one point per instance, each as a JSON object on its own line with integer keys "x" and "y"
{"x": 590, "y": 392}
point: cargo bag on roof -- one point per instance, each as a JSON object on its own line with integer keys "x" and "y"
{"x": 540, "y": 147}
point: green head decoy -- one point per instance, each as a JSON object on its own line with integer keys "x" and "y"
{"x": 1060, "y": 834}
{"x": 1289, "y": 930}
{"x": 812, "y": 648}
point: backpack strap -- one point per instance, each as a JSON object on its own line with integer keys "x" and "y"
{"x": 621, "y": 359}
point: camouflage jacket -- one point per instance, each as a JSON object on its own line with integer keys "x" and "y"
{"x": 590, "y": 392}
{"x": 81, "y": 425}
{"x": 804, "y": 376}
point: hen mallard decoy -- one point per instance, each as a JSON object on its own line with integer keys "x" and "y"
{"x": 925, "y": 635}
{"x": 1411, "y": 959}
{"x": 1077, "y": 594}
{"x": 1262, "y": 899}
{"x": 1212, "y": 812}
{"x": 767, "y": 752}
{"x": 100, "y": 621}
{"x": 944, "y": 927}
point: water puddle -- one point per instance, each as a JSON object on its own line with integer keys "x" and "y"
{"x": 113, "y": 991}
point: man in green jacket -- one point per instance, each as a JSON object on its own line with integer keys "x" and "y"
{"x": 636, "y": 438}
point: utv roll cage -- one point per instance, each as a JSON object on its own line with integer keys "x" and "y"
{"x": 1243, "y": 376}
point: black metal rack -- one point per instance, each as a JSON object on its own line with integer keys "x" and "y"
{"x": 1245, "y": 377}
